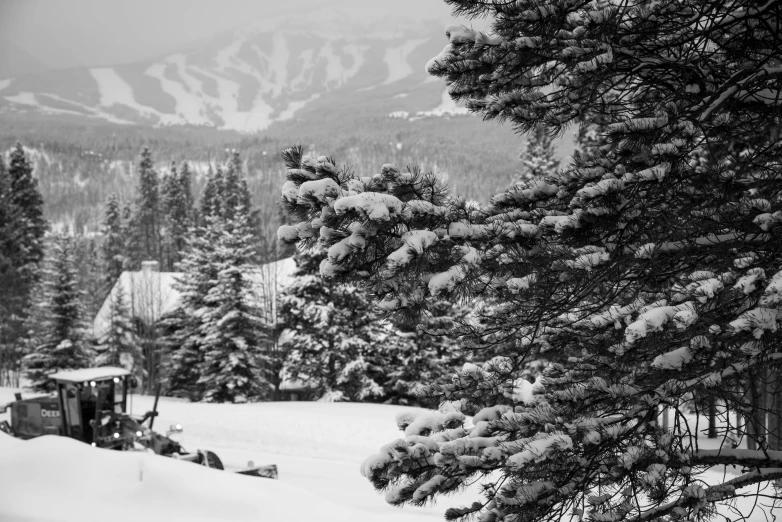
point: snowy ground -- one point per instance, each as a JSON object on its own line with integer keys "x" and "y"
{"x": 317, "y": 447}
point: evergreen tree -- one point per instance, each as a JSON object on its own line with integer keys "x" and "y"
{"x": 22, "y": 228}
{"x": 113, "y": 246}
{"x": 26, "y": 208}
{"x": 646, "y": 272}
{"x": 181, "y": 332}
{"x": 186, "y": 183}
{"x": 332, "y": 339}
{"x": 591, "y": 137}
{"x": 283, "y": 249}
{"x": 233, "y": 191}
{"x": 210, "y": 198}
{"x": 218, "y": 339}
{"x": 425, "y": 354}
{"x": 537, "y": 157}
{"x": 36, "y": 315}
{"x": 144, "y": 228}
{"x": 233, "y": 333}
{"x": 5, "y": 215}
{"x": 119, "y": 346}
{"x": 177, "y": 211}
{"x": 225, "y": 192}
{"x": 127, "y": 215}
{"x": 8, "y": 356}
{"x": 61, "y": 331}
{"x": 90, "y": 274}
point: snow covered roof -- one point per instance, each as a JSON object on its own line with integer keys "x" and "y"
{"x": 149, "y": 294}
{"x": 89, "y": 374}
{"x": 294, "y": 385}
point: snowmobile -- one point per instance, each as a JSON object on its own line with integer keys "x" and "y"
{"x": 91, "y": 406}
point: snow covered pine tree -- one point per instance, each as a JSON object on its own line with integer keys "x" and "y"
{"x": 177, "y": 209}
{"x": 143, "y": 228}
{"x": 119, "y": 346}
{"x": 537, "y": 157}
{"x": 22, "y": 229}
{"x": 113, "y": 245}
{"x": 328, "y": 336}
{"x": 346, "y": 351}
{"x": 645, "y": 272}
{"x": 218, "y": 337}
{"x": 60, "y": 334}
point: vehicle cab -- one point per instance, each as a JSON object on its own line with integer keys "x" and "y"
{"x": 87, "y": 396}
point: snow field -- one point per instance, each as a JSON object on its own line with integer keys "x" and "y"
{"x": 396, "y": 58}
{"x": 318, "y": 448}
{"x": 83, "y": 483}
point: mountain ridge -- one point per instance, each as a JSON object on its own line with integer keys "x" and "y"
{"x": 250, "y": 77}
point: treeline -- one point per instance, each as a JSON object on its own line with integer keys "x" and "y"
{"x": 227, "y": 340}
{"x": 54, "y": 284}
{"x": 79, "y": 165}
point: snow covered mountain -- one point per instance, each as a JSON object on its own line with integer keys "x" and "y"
{"x": 275, "y": 70}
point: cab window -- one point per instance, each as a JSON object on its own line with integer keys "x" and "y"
{"x": 72, "y": 406}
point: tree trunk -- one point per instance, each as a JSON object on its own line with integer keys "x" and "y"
{"x": 774, "y": 386}
{"x": 758, "y": 389}
{"x": 712, "y": 417}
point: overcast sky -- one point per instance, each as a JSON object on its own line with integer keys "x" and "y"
{"x": 67, "y": 33}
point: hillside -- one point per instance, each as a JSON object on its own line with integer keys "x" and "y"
{"x": 357, "y": 92}
{"x": 247, "y": 79}
{"x": 80, "y": 163}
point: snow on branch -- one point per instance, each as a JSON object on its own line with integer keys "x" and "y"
{"x": 539, "y": 447}
{"x": 601, "y": 188}
{"x": 588, "y": 261}
{"x": 772, "y": 295}
{"x": 319, "y": 189}
{"x": 515, "y": 284}
{"x": 742, "y": 457}
{"x": 757, "y": 320}
{"x": 673, "y": 360}
{"x": 614, "y": 315}
{"x": 445, "y": 282}
{"x": 530, "y": 191}
{"x": 749, "y": 281}
{"x": 439, "y": 60}
{"x": 653, "y": 320}
{"x": 646, "y": 251}
{"x": 371, "y": 205}
{"x": 767, "y": 220}
{"x": 415, "y": 243}
{"x": 458, "y": 34}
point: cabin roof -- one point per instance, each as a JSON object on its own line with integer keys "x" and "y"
{"x": 149, "y": 294}
{"x": 89, "y": 374}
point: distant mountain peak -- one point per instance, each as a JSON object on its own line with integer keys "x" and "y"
{"x": 250, "y": 78}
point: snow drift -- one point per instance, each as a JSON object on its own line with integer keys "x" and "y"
{"x": 56, "y": 478}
